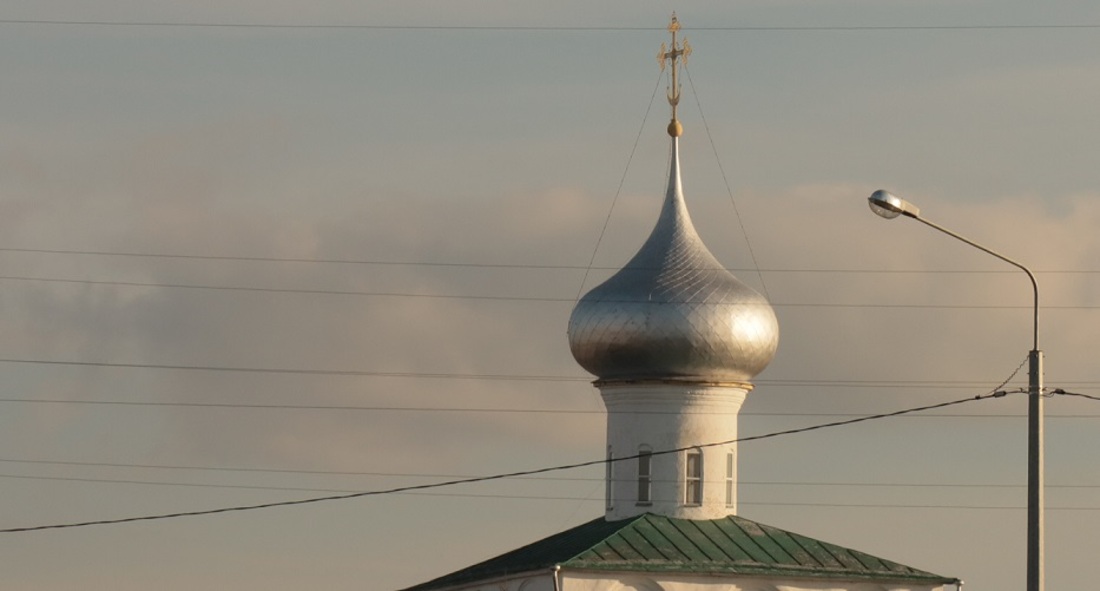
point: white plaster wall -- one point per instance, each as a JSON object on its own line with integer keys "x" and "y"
{"x": 671, "y": 416}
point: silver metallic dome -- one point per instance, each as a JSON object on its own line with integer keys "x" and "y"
{"x": 673, "y": 312}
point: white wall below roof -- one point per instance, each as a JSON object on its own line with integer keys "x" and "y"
{"x": 668, "y": 415}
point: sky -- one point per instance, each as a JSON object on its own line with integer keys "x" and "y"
{"x": 204, "y": 227}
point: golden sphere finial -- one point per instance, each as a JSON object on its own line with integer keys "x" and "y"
{"x": 675, "y": 129}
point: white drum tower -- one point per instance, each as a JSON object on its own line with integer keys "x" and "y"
{"x": 673, "y": 338}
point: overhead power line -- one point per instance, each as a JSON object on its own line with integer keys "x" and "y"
{"x": 125, "y": 254}
{"x": 250, "y": 470}
{"x": 300, "y": 371}
{"x": 455, "y": 482}
{"x": 552, "y": 28}
{"x": 462, "y": 264}
{"x": 445, "y": 409}
{"x": 574, "y": 498}
{"x": 839, "y": 383}
{"x": 452, "y": 409}
{"x": 397, "y": 294}
{"x": 1062, "y": 392}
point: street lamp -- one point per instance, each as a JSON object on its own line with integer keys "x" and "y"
{"x": 889, "y": 206}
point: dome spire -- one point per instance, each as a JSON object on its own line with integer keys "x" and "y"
{"x": 675, "y": 56}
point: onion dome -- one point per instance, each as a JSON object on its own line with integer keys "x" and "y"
{"x": 673, "y": 312}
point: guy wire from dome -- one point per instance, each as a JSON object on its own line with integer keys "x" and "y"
{"x": 673, "y": 313}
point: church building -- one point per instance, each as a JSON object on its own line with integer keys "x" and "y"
{"x": 674, "y": 340}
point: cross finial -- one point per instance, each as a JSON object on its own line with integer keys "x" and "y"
{"x": 678, "y": 52}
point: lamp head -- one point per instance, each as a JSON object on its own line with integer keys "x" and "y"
{"x": 889, "y": 206}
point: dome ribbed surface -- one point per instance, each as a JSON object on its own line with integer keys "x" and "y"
{"x": 673, "y": 312}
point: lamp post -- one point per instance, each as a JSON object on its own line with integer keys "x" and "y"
{"x": 889, "y": 206}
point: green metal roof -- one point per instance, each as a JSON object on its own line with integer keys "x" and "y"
{"x": 655, "y": 544}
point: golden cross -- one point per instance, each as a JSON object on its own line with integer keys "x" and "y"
{"x": 681, "y": 52}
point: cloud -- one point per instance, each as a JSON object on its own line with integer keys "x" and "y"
{"x": 821, "y": 230}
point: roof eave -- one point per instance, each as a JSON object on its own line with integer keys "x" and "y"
{"x": 749, "y": 570}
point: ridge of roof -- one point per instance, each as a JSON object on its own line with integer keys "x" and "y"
{"x": 652, "y": 543}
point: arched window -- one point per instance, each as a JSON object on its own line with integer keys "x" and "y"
{"x": 729, "y": 478}
{"x": 693, "y": 477}
{"x": 645, "y": 476}
{"x": 608, "y": 492}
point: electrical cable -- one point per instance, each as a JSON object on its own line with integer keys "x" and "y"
{"x": 449, "y": 483}
{"x": 1061, "y": 392}
{"x": 923, "y": 384}
{"x": 126, "y": 254}
{"x": 1012, "y": 375}
{"x": 301, "y": 371}
{"x": 488, "y": 410}
{"x": 437, "y": 475}
{"x": 565, "y": 498}
{"x": 394, "y": 294}
{"x": 380, "y": 262}
{"x": 477, "y": 410}
{"x": 552, "y": 28}
{"x": 482, "y": 410}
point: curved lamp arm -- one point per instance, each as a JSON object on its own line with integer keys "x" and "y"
{"x": 890, "y": 206}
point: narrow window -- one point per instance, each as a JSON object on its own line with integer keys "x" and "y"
{"x": 607, "y": 490}
{"x": 645, "y": 477}
{"x": 729, "y": 479}
{"x": 693, "y": 478}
